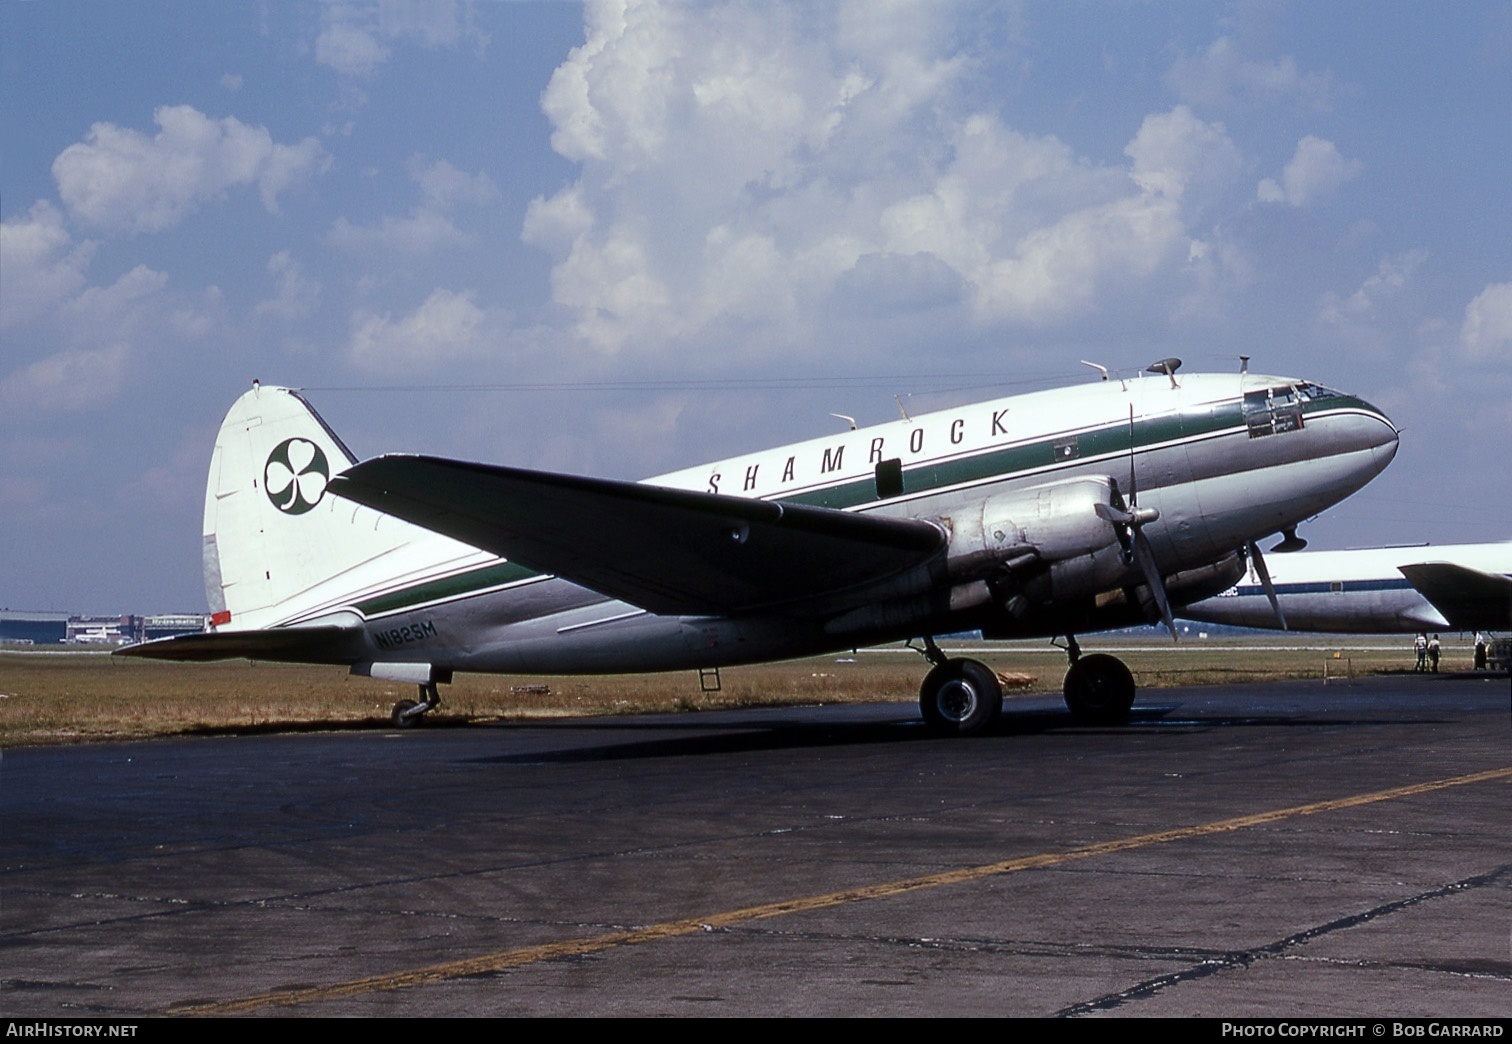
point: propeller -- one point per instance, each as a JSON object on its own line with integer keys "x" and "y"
{"x": 1130, "y": 520}
{"x": 1265, "y": 582}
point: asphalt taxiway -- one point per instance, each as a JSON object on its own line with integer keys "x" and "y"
{"x": 1281, "y": 849}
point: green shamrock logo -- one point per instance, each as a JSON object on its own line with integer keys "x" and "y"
{"x": 296, "y": 475}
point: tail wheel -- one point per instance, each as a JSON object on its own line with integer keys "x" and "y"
{"x": 960, "y": 698}
{"x": 408, "y": 713}
{"x": 1099, "y": 690}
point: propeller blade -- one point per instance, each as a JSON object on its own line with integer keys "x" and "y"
{"x": 1146, "y": 559}
{"x": 1133, "y": 488}
{"x": 1265, "y": 582}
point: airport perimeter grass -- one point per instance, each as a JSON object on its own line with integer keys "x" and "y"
{"x": 83, "y": 695}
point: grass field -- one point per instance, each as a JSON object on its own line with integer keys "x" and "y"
{"x": 81, "y": 695}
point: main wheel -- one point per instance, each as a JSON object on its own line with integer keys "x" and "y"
{"x": 960, "y": 698}
{"x": 1099, "y": 690}
{"x": 401, "y": 716}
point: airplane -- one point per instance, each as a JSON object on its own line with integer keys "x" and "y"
{"x": 1047, "y": 514}
{"x": 1383, "y": 590}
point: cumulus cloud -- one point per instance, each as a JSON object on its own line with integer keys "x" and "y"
{"x": 1487, "y": 329}
{"x": 85, "y": 333}
{"x": 66, "y": 382}
{"x": 352, "y": 35}
{"x": 295, "y": 295}
{"x": 444, "y": 187}
{"x": 421, "y": 232}
{"x": 80, "y": 338}
{"x": 122, "y": 304}
{"x": 1175, "y": 152}
{"x": 1223, "y": 77}
{"x": 753, "y": 164}
{"x": 1316, "y": 170}
{"x": 1057, "y": 270}
{"x": 43, "y": 280}
{"x": 1377, "y": 319}
{"x": 555, "y": 224}
{"x": 429, "y": 227}
{"x": 447, "y": 327}
{"x": 119, "y": 179}
{"x": 348, "y": 47}
{"x": 1387, "y": 282}
{"x": 40, "y": 265}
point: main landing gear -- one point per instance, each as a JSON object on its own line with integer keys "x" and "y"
{"x": 1099, "y": 689}
{"x": 962, "y": 697}
{"x": 959, "y": 697}
{"x": 409, "y": 713}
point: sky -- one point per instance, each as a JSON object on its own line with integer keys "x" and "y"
{"x": 623, "y": 238}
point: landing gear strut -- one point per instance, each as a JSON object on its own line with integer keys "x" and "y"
{"x": 959, "y": 697}
{"x": 1099, "y": 689}
{"x": 409, "y": 713}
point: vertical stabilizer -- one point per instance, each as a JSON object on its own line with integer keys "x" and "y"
{"x": 274, "y": 538}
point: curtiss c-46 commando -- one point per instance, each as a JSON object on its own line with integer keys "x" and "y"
{"x": 1053, "y": 513}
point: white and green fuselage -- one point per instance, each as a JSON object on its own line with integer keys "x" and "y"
{"x": 1008, "y": 503}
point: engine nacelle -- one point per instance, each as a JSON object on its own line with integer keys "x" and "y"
{"x": 1038, "y": 545}
{"x": 1113, "y": 608}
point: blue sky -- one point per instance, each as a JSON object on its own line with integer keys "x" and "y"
{"x": 693, "y": 229}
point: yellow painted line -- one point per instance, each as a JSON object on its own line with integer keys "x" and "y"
{"x": 497, "y": 962}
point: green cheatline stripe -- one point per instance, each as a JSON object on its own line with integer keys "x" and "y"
{"x": 1012, "y": 460}
{"x": 507, "y": 959}
{"x": 1001, "y": 463}
{"x": 470, "y": 582}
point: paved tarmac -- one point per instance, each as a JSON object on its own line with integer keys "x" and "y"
{"x": 1245, "y": 850}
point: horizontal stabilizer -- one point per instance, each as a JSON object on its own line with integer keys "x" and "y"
{"x": 286, "y": 644}
{"x": 669, "y": 551}
{"x": 1469, "y": 599}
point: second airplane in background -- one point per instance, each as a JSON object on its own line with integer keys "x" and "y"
{"x": 1382, "y": 590}
{"x": 1052, "y": 513}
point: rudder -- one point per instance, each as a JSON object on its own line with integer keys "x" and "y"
{"x": 272, "y": 533}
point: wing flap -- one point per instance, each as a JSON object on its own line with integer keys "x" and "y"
{"x": 1469, "y": 599}
{"x": 666, "y": 550}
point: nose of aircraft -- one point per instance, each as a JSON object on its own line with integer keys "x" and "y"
{"x": 1375, "y": 432}
{"x": 1354, "y": 441}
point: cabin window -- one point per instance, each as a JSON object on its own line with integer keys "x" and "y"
{"x": 1067, "y": 448}
{"x": 889, "y": 478}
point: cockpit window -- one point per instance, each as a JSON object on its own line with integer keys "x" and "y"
{"x": 1275, "y": 410}
{"x": 1309, "y": 391}
{"x": 1286, "y": 409}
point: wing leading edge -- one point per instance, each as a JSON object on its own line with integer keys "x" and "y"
{"x": 669, "y": 551}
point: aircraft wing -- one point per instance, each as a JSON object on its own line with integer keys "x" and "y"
{"x": 324, "y": 644}
{"x": 1469, "y": 599}
{"x": 669, "y": 551}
